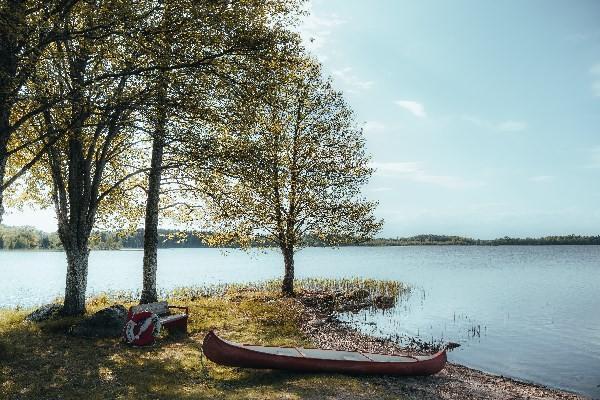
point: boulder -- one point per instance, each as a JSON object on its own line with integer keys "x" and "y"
{"x": 106, "y": 323}
{"x": 44, "y": 313}
{"x": 317, "y": 322}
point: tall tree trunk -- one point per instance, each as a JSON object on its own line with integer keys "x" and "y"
{"x": 10, "y": 12}
{"x": 4, "y": 121}
{"x": 149, "y": 294}
{"x": 287, "y": 287}
{"x": 74, "y": 230}
{"x": 77, "y": 270}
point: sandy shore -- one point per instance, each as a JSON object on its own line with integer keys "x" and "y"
{"x": 454, "y": 382}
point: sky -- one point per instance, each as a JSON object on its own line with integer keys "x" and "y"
{"x": 482, "y": 117}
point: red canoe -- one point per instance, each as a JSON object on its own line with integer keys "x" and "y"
{"x": 232, "y": 354}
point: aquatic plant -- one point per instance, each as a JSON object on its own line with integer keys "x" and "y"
{"x": 374, "y": 287}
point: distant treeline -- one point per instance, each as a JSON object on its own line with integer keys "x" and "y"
{"x": 424, "y": 240}
{"x": 26, "y": 237}
{"x": 20, "y": 238}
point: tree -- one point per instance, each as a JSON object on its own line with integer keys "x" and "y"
{"x": 97, "y": 91}
{"x": 294, "y": 169}
{"x": 27, "y": 28}
{"x": 201, "y": 72}
{"x": 91, "y": 149}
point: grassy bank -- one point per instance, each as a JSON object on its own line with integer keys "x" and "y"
{"x": 41, "y": 361}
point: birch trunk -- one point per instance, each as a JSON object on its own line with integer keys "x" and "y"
{"x": 77, "y": 269}
{"x": 74, "y": 228}
{"x": 4, "y": 117}
{"x": 287, "y": 287}
{"x": 149, "y": 294}
{"x": 8, "y": 71}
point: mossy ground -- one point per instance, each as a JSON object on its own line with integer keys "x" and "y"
{"x": 41, "y": 361}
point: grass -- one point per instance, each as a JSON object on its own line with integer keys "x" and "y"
{"x": 41, "y": 361}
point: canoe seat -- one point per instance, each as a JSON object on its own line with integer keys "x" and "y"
{"x": 333, "y": 355}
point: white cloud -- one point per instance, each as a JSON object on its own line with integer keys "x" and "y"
{"x": 594, "y": 157}
{"x": 414, "y": 107}
{"x": 504, "y": 126}
{"x": 541, "y": 178}
{"x": 582, "y": 36}
{"x": 475, "y": 120}
{"x": 511, "y": 126}
{"x": 596, "y": 88}
{"x": 392, "y": 168}
{"x": 595, "y": 71}
{"x": 374, "y": 127}
{"x": 350, "y": 81}
{"x": 381, "y": 189}
{"x": 414, "y": 171}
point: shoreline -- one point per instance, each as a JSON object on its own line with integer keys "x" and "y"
{"x": 244, "y": 314}
{"x": 33, "y": 250}
{"x": 455, "y": 381}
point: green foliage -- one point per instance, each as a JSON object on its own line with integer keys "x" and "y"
{"x": 26, "y": 237}
{"x": 292, "y": 166}
{"x": 112, "y": 72}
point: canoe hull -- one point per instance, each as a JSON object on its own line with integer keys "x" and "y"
{"x": 235, "y": 355}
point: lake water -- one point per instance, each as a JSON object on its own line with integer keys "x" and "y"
{"x": 527, "y": 312}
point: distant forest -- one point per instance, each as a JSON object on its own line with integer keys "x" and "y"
{"x": 424, "y": 240}
{"x": 24, "y": 238}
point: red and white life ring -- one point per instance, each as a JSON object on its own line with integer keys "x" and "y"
{"x": 141, "y": 328}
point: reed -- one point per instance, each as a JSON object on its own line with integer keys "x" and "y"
{"x": 374, "y": 287}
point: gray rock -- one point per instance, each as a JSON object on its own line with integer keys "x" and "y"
{"x": 105, "y": 323}
{"x": 44, "y": 313}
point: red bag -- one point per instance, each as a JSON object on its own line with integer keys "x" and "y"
{"x": 141, "y": 328}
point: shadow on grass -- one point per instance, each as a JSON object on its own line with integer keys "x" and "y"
{"x": 42, "y": 361}
{"x": 72, "y": 368}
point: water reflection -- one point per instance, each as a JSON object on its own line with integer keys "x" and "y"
{"x": 394, "y": 324}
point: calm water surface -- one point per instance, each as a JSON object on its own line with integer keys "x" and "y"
{"x": 526, "y": 312}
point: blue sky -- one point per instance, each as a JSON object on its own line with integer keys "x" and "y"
{"x": 482, "y": 117}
